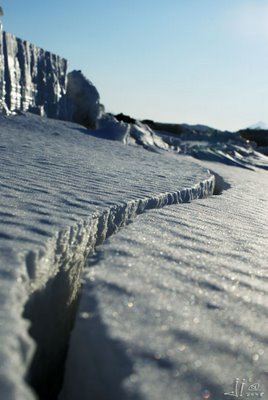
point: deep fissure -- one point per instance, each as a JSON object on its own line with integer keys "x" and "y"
{"x": 52, "y": 309}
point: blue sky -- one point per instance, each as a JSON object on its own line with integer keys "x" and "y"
{"x": 194, "y": 61}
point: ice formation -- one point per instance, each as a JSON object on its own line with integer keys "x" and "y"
{"x": 84, "y": 99}
{"x": 31, "y": 78}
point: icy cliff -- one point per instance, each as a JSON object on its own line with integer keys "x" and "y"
{"x": 31, "y": 78}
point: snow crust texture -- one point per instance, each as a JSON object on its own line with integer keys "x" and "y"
{"x": 175, "y": 305}
{"x": 62, "y": 193}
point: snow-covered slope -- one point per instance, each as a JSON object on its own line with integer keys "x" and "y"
{"x": 175, "y": 305}
{"x": 232, "y": 148}
{"x": 62, "y": 192}
{"x": 246, "y": 148}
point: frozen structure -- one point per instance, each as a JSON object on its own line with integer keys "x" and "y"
{"x": 31, "y": 79}
{"x": 35, "y": 80}
{"x": 85, "y": 100}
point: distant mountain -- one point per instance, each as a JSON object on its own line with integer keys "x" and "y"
{"x": 257, "y": 133}
{"x": 259, "y": 125}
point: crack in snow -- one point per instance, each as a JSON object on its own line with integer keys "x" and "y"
{"x": 52, "y": 309}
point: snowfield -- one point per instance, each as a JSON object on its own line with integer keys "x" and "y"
{"x": 173, "y": 305}
{"x": 62, "y": 192}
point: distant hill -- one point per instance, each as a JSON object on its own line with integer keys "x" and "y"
{"x": 259, "y": 126}
{"x": 257, "y": 135}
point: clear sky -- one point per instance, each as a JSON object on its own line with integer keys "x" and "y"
{"x": 194, "y": 61}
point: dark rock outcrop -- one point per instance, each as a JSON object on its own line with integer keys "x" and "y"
{"x": 259, "y": 136}
{"x": 125, "y": 118}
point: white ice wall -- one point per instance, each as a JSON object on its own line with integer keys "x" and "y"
{"x": 31, "y": 78}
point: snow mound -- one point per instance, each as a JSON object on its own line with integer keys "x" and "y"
{"x": 230, "y": 148}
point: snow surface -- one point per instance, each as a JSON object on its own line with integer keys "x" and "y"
{"x": 62, "y": 192}
{"x": 174, "y": 306}
{"x": 199, "y": 141}
{"x": 212, "y": 145}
